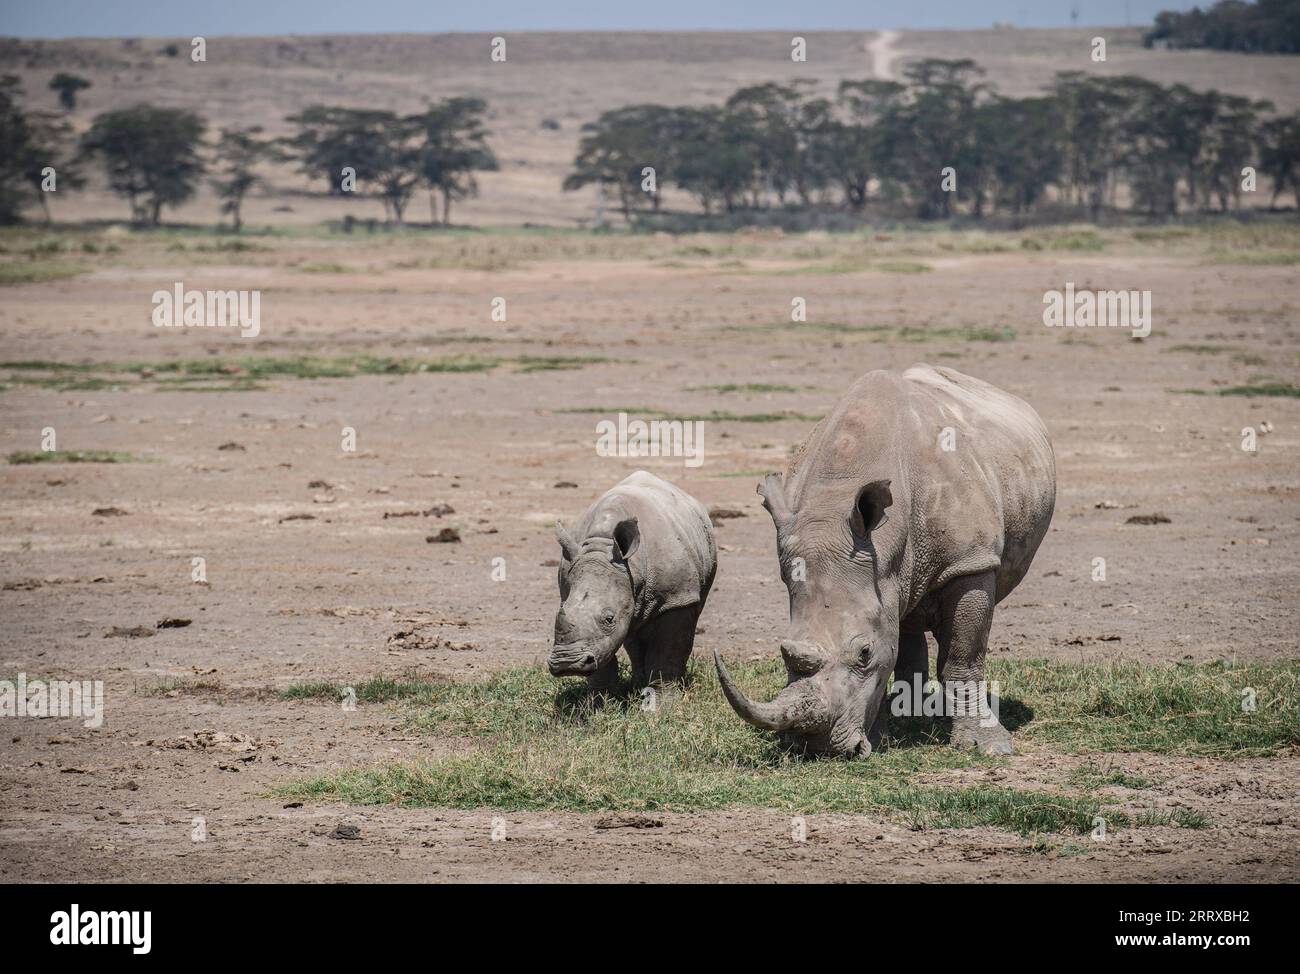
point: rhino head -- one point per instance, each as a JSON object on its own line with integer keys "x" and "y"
{"x": 843, "y": 640}
{"x": 597, "y": 602}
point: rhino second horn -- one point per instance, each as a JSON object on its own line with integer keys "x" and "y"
{"x": 778, "y": 715}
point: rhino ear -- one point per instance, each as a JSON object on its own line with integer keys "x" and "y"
{"x": 772, "y": 490}
{"x": 570, "y": 546}
{"x": 869, "y": 508}
{"x": 627, "y": 535}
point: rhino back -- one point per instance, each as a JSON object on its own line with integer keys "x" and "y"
{"x": 675, "y": 562}
{"x": 984, "y": 505}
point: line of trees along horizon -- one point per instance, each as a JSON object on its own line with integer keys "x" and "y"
{"x": 942, "y": 142}
{"x": 1266, "y": 27}
{"x": 156, "y": 157}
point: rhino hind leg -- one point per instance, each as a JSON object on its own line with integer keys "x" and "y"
{"x": 965, "y": 617}
{"x": 666, "y": 645}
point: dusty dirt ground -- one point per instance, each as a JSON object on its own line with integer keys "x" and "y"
{"x": 297, "y": 600}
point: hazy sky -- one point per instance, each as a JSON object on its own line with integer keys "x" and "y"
{"x": 186, "y": 18}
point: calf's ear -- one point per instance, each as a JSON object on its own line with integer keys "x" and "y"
{"x": 627, "y": 535}
{"x": 571, "y": 548}
{"x": 869, "y": 507}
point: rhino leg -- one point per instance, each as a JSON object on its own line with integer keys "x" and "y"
{"x": 913, "y": 663}
{"x": 667, "y": 644}
{"x": 913, "y": 658}
{"x": 965, "y": 617}
{"x": 636, "y": 656}
{"x": 604, "y": 681}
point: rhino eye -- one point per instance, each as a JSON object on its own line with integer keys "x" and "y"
{"x": 609, "y": 618}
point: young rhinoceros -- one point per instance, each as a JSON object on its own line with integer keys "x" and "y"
{"x": 636, "y": 570}
{"x": 916, "y": 505}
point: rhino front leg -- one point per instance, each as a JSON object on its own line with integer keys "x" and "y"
{"x": 604, "y": 681}
{"x": 913, "y": 664}
{"x": 965, "y": 617}
{"x": 667, "y": 643}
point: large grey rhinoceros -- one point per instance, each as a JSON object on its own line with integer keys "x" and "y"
{"x": 914, "y": 507}
{"x": 636, "y": 571}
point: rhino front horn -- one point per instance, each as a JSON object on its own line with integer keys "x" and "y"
{"x": 778, "y": 715}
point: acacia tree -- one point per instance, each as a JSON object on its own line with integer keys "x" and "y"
{"x": 870, "y": 143}
{"x": 1091, "y": 113}
{"x": 67, "y": 85}
{"x": 150, "y": 156}
{"x": 31, "y": 145}
{"x": 1279, "y": 156}
{"x": 238, "y": 152}
{"x": 454, "y": 148}
{"x": 715, "y": 160}
{"x": 934, "y": 129}
{"x": 1230, "y": 143}
{"x": 615, "y": 149}
{"x": 323, "y": 143}
{"x": 380, "y": 147}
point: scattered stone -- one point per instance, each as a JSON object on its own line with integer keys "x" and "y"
{"x": 298, "y": 517}
{"x": 1106, "y": 505}
{"x": 1148, "y": 519}
{"x": 445, "y": 536}
{"x": 346, "y": 832}
{"x": 232, "y": 445}
{"x": 108, "y": 512}
{"x": 388, "y": 514}
{"x": 440, "y": 510}
{"x": 320, "y": 485}
{"x": 566, "y": 484}
{"x": 174, "y": 623}
{"x": 294, "y": 805}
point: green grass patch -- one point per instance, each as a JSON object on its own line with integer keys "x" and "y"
{"x": 1200, "y": 349}
{"x": 910, "y": 334}
{"x": 13, "y": 273}
{"x": 748, "y": 388}
{"x": 648, "y": 415}
{"x": 73, "y": 456}
{"x": 240, "y": 374}
{"x": 325, "y": 267}
{"x": 539, "y": 744}
{"x": 1282, "y": 389}
{"x": 1089, "y": 776}
{"x": 412, "y": 688}
{"x": 1185, "y": 709}
{"x": 727, "y": 417}
{"x": 554, "y": 363}
{"x": 1258, "y": 258}
{"x": 902, "y": 267}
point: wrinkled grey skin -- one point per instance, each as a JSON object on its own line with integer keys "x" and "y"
{"x": 883, "y": 536}
{"x": 636, "y": 571}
